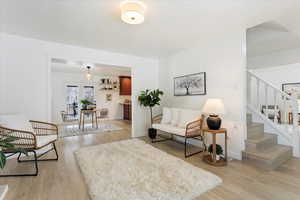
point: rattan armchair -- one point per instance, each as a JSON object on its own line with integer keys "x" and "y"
{"x": 193, "y": 130}
{"x": 42, "y": 135}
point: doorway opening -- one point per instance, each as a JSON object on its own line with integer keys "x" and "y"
{"x": 90, "y": 101}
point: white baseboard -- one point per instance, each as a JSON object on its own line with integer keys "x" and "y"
{"x": 235, "y": 155}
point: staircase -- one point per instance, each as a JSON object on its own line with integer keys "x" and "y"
{"x": 262, "y": 149}
{"x": 271, "y": 107}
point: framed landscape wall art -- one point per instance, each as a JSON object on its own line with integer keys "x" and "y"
{"x": 290, "y": 87}
{"x": 192, "y": 84}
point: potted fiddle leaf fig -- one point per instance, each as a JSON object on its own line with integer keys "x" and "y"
{"x": 6, "y": 145}
{"x": 150, "y": 99}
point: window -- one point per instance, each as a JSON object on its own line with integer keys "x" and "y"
{"x": 89, "y": 93}
{"x": 72, "y": 99}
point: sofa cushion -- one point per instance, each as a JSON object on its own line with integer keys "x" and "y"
{"x": 170, "y": 129}
{"x": 187, "y": 116}
{"x": 16, "y": 121}
{"x": 175, "y": 116}
{"x": 167, "y": 116}
{"x": 45, "y": 139}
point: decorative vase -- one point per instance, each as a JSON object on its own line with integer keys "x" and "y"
{"x": 214, "y": 122}
{"x": 152, "y": 133}
{"x": 218, "y": 157}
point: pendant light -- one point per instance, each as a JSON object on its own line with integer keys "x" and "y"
{"x": 88, "y": 74}
{"x": 132, "y": 11}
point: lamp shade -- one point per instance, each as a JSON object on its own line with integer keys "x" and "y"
{"x": 214, "y": 106}
{"x": 132, "y": 11}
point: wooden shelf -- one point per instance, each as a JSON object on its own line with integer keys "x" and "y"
{"x": 209, "y": 160}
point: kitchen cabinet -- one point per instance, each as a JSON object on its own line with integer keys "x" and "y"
{"x": 127, "y": 112}
{"x": 125, "y": 85}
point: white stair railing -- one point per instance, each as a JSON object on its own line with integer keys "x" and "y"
{"x": 266, "y": 100}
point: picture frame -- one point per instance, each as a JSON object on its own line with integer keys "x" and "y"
{"x": 289, "y": 87}
{"x": 108, "y": 97}
{"x": 190, "y": 85}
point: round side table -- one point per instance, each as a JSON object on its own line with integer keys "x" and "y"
{"x": 212, "y": 159}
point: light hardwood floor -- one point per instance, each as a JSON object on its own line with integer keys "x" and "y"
{"x": 62, "y": 180}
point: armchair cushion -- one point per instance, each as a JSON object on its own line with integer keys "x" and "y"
{"x": 170, "y": 129}
{"x": 45, "y": 139}
{"x": 16, "y": 121}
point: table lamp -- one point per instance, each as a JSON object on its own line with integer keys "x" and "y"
{"x": 214, "y": 107}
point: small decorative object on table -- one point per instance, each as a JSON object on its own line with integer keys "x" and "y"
{"x": 150, "y": 99}
{"x": 215, "y": 149}
{"x": 214, "y": 107}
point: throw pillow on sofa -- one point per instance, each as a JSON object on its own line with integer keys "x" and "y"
{"x": 175, "y": 116}
{"x": 167, "y": 116}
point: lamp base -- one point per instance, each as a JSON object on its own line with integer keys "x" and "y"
{"x": 214, "y": 122}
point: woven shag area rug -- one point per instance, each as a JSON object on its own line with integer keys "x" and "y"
{"x": 69, "y": 130}
{"x": 134, "y": 170}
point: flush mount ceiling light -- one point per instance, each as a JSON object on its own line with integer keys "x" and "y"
{"x": 132, "y": 11}
{"x": 88, "y": 74}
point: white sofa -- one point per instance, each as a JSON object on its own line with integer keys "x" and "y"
{"x": 180, "y": 122}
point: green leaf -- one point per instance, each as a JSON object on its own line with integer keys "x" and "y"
{"x": 2, "y": 160}
{"x": 150, "y": 98}
{"x": 9, "y": 139}
{"x": 6, "y": 145}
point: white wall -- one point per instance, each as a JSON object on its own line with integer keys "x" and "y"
{"x": 280, "y": 74}
{"x": 27, "y": 72}
{"x": 221, "y": 57}
{"x": 59, "y": 81}
{"x": 2, "y": 81}
{"x": 279, "y": 58}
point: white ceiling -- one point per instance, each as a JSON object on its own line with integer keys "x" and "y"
{"x": 170, "y": 25}
{"x": 271, "y": 44}
{"x": 270, "y": 37}
{"x": 64, "y": 66}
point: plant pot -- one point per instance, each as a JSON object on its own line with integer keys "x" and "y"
{"x": 84, "y": 107}
{"x": 218, "y": 157}
{"x": 152, "y": 133}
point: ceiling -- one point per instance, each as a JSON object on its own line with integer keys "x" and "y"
{"x": 270, "y": 44}
{"x": 170, "y": 25}
{"x": 64, "y": 66}
{"x": 270, "y": 37}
